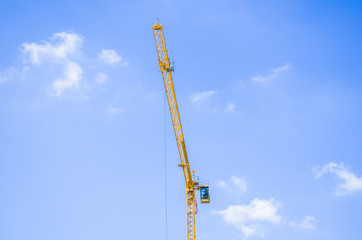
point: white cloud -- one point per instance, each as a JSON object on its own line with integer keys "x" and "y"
{"x": 274, "y": 73}
{"x": 350, "y": 182}
{"x": 111, "y": 57}
{"x": 113, "y": 110}
{"x": 239, "y": 183}
{"x": 57, "y": 50}
{"x": 222, "y": 185}
{"x": 7, "y": 74}
{"x": 230, "y": 107}
{"x": 59, "y": 60}
{"x": 249, "y": 219}
{"x": 101, "y": 78}
{"x": 71, "y": 77}
{"x": 308, "y": 223}
{"x": 59, "y": 46}
{"x": 236, "y": 185}
{"x": 200, "y": 96}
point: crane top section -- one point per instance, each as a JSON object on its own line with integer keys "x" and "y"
{"x": 157, "y": 26}
{"x": 163, "y": 58}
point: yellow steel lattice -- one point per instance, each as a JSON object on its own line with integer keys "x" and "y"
{"x": 165, "y": 68}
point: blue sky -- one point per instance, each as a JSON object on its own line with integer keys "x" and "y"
{"x": 270, "y": 99}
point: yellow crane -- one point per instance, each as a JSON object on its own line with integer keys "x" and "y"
{"x": 166, "y": 67}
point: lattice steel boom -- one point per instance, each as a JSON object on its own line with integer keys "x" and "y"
{"x": 191, "y": 185}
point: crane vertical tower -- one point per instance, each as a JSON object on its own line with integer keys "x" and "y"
{"x": 166, "y": 67}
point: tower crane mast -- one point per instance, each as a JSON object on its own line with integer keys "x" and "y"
{"x": 166, "y": 67}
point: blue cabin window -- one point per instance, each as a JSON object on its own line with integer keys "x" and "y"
{"x": 204, "y": 193}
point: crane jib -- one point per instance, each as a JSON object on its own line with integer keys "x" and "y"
{"x": 190, "y": 183}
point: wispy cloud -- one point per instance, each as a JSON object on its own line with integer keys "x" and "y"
{"x": 59, "y": 46}
{"x": 111, "y": 57}
{"x": 58, "y": 49}
{"x": 57, "y": 64}
{"x": 101, "y": 78}
{"x": 63, "y": 51}
{"x": 201, "y": 96}
{"x": 350, "y": 183}
{"x": 308, "y": 223}
{"x": 7, "y": 74}
{"x": 274, "y": 73}
{"x": 71, "y": 77}
{"x": 113, "y": 110}
{"x": 251, "y": 219}
{"x": 235, "y": 185}
{"x": 230, "y": 107}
